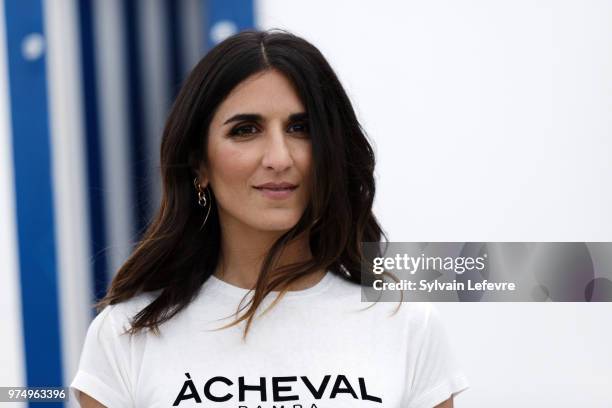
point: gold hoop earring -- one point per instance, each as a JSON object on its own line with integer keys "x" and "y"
{"x": 202, "y": 201}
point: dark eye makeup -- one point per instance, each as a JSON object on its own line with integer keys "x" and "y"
{"x": 302, "y": 127}
{"x": 249, "y": 129}
{"x": 242, "y": 130}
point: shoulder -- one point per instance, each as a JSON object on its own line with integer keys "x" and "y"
{"x": 416, "y": 315}
{"x": 341, "y": 287}
{"x": 420, "y": 314}
{"x": 415, "y": 318}
{"x": 115, "y": 319}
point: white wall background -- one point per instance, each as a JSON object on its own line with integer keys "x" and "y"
{"x": 492, "y": 121}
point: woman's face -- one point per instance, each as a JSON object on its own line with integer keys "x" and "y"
{"x": 259, "y": 155}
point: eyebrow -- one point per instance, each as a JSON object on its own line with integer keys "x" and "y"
{"x": 256, "y": 117}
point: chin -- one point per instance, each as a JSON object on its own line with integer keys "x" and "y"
{"x": 276, "y": 226}
{"x": 275, "y": 223}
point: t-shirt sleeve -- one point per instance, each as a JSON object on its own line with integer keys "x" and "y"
{"x": 103, "y": 370}
{"x": 434, "y": 374}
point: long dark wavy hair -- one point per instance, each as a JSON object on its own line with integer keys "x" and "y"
{"x": 175, "y": 256}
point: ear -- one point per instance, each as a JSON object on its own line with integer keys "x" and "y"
{"x": 202, "y": 175}
{"x": 199, "y": 170}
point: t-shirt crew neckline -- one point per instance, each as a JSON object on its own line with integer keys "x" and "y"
{"x": 218, "y": 285}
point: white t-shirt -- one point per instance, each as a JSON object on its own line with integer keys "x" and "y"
{"x": 318, "y": 347}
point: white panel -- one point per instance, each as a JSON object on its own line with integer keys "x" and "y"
{"x": 12, "y": 370}
{"x": 190, "y": 24}
{"x": 110, "y": 40}
{"x": 155, "y": 83}
{"x": 68, "y": 151}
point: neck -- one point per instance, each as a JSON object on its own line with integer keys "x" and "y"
{"x": 243, "y": 251}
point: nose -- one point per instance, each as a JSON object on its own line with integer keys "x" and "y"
{"x": 277, "y": 154}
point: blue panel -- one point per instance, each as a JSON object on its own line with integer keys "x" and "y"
{"x": 95, "y": 180}
{"x": 173, "y": 54}
{"x": 34, "y": 198}
{"x": 238, "y": 12}
{"x": 136, "y": 116}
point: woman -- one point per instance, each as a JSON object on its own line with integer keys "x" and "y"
{"x": 267, "y": 185}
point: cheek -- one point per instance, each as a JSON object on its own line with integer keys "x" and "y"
{"x": 231, "y": 167}
{"x": 304, "y": 162}
{"x": 302, "y": 155}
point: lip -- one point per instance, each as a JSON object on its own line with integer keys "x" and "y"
{"x": 283, "y": 184}
{"x": 277, "y": 191}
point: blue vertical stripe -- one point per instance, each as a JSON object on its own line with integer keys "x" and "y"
{"x": 136, "y": 114}
{"x": 95, "y": 180}
{"x": 34, "y": 198}
{"x": 175, "y": 57}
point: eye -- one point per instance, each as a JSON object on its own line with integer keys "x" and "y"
{"x": 243, "y": 130}
{"x": 301, "y": 127}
